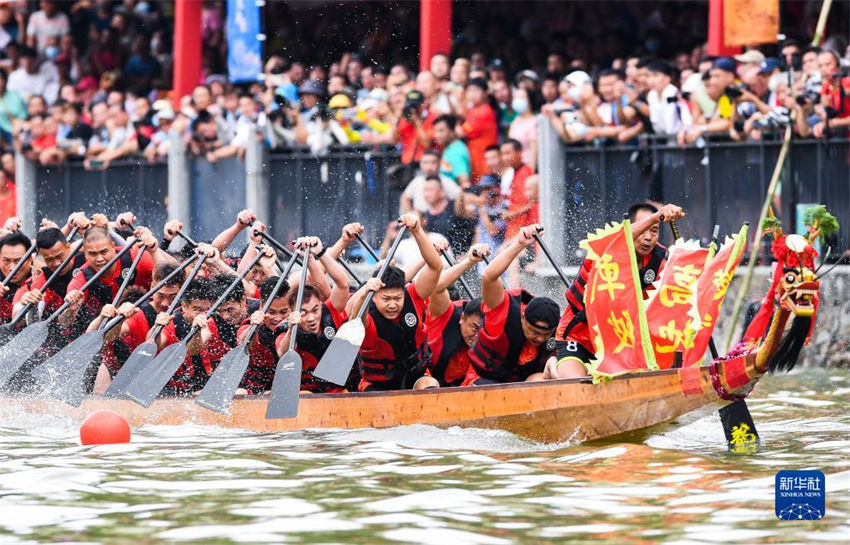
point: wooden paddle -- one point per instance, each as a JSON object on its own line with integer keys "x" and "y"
{"x": 16, "y": 352}
{"x": 146, "y": 351}
{"x": 147, "y": 385}
{"x": 451, "y": 261}
{"x": 286, "y": 386}
{"x": 335, "y": 365}
{"x": 551, "y": 259}
{"x": 222, "y": 385}
{"x": 67, "y": 375}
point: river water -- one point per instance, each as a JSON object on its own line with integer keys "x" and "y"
{"x": 674, "y": 484}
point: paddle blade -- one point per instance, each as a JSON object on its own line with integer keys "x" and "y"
{"x": 16, "y": 352}
{"x": 7, "y": 332}
{"x": 67, "y": 374}
{"x": 283, "y": 401}
{"x": 336, "y": 364}
{"x": 150, "y": 382}
{"x": 219, "y": 389}
{"x": 141, "y": 356}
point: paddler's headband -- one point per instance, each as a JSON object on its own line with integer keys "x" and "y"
{"x": 543, "y": 312}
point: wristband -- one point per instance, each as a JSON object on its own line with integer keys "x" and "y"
{"x": 320, "y": 254}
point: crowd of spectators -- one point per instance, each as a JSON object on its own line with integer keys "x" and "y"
{"x": 91, "y": 81}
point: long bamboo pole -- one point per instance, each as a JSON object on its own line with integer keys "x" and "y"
{"x": 768, "y": 198}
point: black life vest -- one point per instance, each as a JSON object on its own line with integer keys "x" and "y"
{"x": 188, "y": 377}
{"x": 404, "y": 352}
{"x": 101, "y": 292}
{"x": 452, "y": 341}
{"x": 498, "y": 358}
{"x": 226, "y": 331}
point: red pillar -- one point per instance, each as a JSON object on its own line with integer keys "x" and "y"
{"x": 435, "y": 30}
{"x": 187, "y": 47}
{"x": 716, "y": 42}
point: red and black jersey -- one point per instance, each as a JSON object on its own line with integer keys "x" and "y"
{"x": 7, "y": 302}
{"x": 226, "y": 331}
{"x": 449, "y": 353}
{"x": 106, "y": 287}
{"x": 195, "y": 370}
{"x": 573, "y": 322}
{"x": 311, "y": 347}
{"x": 262, "y": 359}
{"x": 115, "y": 353}
{"x": 501, "y": 352}
{"x": 54, "y": 295}
{"x": 393, "y": 352}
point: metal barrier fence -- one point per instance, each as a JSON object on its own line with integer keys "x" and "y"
{"x": 581, "y": 188}
{"x": 56, "y": 191}
{"x": 722, "y": 183}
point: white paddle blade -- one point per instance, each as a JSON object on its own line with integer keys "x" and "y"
{"x": 336, "y": 364}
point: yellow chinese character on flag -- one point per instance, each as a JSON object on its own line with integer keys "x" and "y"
{"x": 623, "y": 329}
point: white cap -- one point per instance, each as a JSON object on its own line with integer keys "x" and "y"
{"x": 577, "y": 78}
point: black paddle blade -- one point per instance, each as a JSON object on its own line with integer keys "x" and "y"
{"x": 219, "y": 389}
{"x": 336, "y": 364}
{"x": 65, "y": 375}
{"x": 150, "y": 382}
{"x": 141, "y": 356}
{"x": 16, "y": 352}
{"x": 739, "y": 428}
{"x": 286, "y": 387}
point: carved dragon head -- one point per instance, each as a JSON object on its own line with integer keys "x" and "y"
{"x": 798, "y": 288}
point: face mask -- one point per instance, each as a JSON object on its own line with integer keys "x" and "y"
{"x": 574, "y": 92}
{"x": 51, "y": 51}
{"x": 519, "y": 105}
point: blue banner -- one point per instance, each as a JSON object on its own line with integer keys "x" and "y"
{"x": 244, "y": 53}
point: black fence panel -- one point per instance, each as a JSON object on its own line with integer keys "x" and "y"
{"x": 126, "y": 186}
{"x": 723, "y": 183}
{"x": 318, "y": 195}
{"x": 217, "y": 193}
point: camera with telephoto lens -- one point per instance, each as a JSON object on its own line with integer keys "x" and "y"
{"x": 736, "y": 90}
{"x": 412, "y": 102}
{"x": 809, "y": 96}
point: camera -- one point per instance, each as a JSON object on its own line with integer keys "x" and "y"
{"x": 808, "y": 96}
{"x": 282, "y": 102}
{"x": 413, "y": 101}
{"x": 736, "y": 90}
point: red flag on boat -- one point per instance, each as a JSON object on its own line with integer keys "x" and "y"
{"x": 614, "y": 303}
{"x": 711, "y": 289}
{"x": 672, "y": 315}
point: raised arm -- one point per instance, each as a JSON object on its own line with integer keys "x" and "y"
{"x": 243, "y": 220}
{"x": 339, "y": 292}
{"x": 668, "y": 212}
{"x": 349, "y": 235}
{"x": 430, "y": 275}
{"x": 492, "y": 291}
{"x": 315, "y": 272}
{"x": 440, "y": 301}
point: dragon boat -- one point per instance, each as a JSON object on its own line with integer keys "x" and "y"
{"x": 546, "y": 411}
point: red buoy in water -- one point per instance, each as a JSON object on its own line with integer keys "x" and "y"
{"x": 102, "y": 427}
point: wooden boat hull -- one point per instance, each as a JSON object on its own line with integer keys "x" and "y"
{"x": 547, "y": 411}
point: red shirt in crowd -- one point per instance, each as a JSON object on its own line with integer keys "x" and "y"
{"x": 517, "y": 201}
{"x": 411, "y": 147}
{"x": 482, "y": 131}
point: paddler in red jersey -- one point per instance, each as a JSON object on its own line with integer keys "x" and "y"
{"x": 395, "y": 353}
{"x": 516, "y": 339}
{"x": 317, "y": 320}
{"x": 13, "y": 247}
{"x": 453, "y": 325}
{"x": 53, "y": 248}
{"x": 99, "y": 248}
{"x": 262, "y": 352}
{"x": 574, "y": 348}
